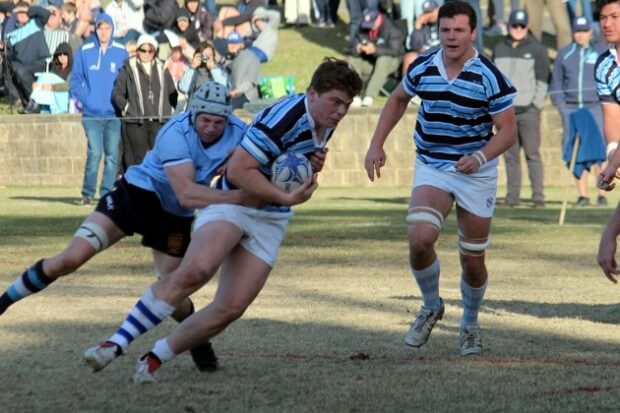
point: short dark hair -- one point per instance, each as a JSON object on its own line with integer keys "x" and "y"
{"x": 601, "y": 3}
{"x": 457, "y": 7}
{"x": 336, "y": 74}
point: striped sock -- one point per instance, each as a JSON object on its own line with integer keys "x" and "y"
{"x": 428, "y": 281}
{"x": 148, "y": 312}
{"x": 472, "y": 300}
{"x": 30, "y": 282}
{"x": 163, "y": 351}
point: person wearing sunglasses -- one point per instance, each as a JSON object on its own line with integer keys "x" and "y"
{"x": 145, "y": 97}
{"x": 524, "y": 60}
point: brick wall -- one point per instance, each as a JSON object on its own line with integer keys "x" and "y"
{"x": 50, "y": 150}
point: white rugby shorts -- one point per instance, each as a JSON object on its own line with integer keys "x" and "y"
{"x": 475, "y": 192}
{"x": 263, "y": 231}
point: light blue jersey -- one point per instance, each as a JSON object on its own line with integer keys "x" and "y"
{"x": 607, "y": 76}
{"x": 455, "y": 116}
{"x": 285, "y": 126}
{"x": 178, "y": 143}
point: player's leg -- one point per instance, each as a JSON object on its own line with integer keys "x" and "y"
{"x": 95, "y": 234}
{"x": 209, "y": 247}
{"x": 202, "y": 354}
{"x": 242, "y": 278}
{"x": 428, "y": 207}
{"x": 473, "y": 241}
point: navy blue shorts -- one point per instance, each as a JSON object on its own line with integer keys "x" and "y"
{"x": 136, "y": 210}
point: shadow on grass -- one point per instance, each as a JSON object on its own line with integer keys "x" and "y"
{"x": 598, "y": 313}
{"x": 49, "y": 199}
{"x": 333, "y": 38}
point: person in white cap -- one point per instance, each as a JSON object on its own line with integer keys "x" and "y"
{"x": 145, "y": 97}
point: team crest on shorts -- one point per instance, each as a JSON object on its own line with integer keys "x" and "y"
{"x": 490, "y": 202}
{"x": 175, "y": 243}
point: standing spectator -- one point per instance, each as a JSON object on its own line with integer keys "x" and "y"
{"x": 559, "y": 17}
{"x": 356, "y": 9}
{"x": 95, "y": 69}
{"x": 325, "y": 12}
{"x": 27, "y": 50}
{"x": 127, "y": 16}
{"x": 201, "y": 19}
{"x": 524, "y": 60}
{"x": 377, "y": 53}
{"x": 573, "y": 87}
{"x": 145, "y": 96}
{"x": 297, "y": 12}
{"x": 425, "y": 36}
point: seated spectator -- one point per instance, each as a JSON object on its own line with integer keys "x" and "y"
{"x": 27, "y": 50}
{"x": 68, "y": 15}
{"x": 200, "y": 19}
{"x": 177, "y": 65}
{"x": 377, "y": 53}
{"x": 425, "y": 36}
{"x": 55, "y": 34}
{"x": 87, "y": 12}
{"x": 145, "y": 96}
{"x": 50, "y": 93}
{"x": 236, "y": 19}
{"x": 203, "y": 68}
{"x": 131, "y": 47}
{"x": 185, "y": 29}
{"x": 244, "y": 67}
{"x": 264, "y": 33}
{"x": 127, "y": 16}
{"x": 159, "y": 15}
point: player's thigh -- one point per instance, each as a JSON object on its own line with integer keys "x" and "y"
{"x": 210, "y": 245}
{"x": 242, "y": 278}
{"x": 472, "y": 227}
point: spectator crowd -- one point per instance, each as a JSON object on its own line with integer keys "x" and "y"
{"x": 128, "y": 65}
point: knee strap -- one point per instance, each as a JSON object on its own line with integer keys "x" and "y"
{"x": 94, "y": 234}
{"x": 475, "y": 249}
{"x": 425, "y": 215}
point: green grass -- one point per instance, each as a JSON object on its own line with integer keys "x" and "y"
{"x": 326, "y": 332}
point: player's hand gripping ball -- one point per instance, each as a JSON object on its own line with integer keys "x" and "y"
{"x": 290, "y": 170}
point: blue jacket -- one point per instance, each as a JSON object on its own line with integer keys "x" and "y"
{"x": 573, "y": 81}
{"x": 591, "y": 146}
{"x": 94, "y": 73}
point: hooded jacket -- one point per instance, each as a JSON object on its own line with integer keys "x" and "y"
{"x": 94, "y": 73}
{"x": 131, "y": 91}
{"x": 527, "y": 66}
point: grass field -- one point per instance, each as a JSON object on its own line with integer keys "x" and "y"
{"x": 326, "y": 333}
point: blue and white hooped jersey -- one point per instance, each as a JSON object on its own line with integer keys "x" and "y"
{"x": 285, "y": 126}
{"x": 607, "y": 76}
{"x": 177, "y": 143}
{"x": 455, "y": 116}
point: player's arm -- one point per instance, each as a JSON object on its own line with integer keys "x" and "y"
{"x": 611, "y": 129}
{"x": 390, "y": 115}
{"x": 194, "y": 195}
{"x": 243, "y": 172}
{"x": 606, "y": 257}
{"x": 505, "y": 136}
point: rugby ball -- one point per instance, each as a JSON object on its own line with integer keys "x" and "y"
{"x": 290, "y": 170}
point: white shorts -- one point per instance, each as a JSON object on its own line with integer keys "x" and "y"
{"x": 263, "y": 232}
{"x": 475, "y": 193}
